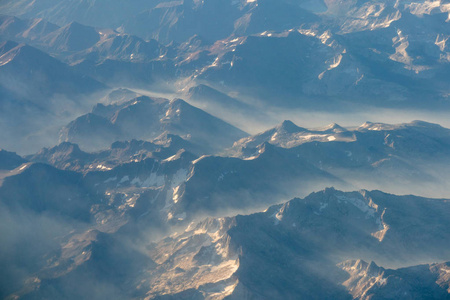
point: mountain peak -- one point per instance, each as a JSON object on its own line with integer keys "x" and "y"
{"x": 199, "y": 87}
{"x": 64, "y": 148}
{"x": 10, "y": 160}
{"x": 289, "y": 127}
{"x": 333, "y": 127}
{"x": 360, "y": 265}
{"x": 67, "y": 146}
{"x": 179, "y": 102}
{"x": 267, "y": 148}
{"x": 329, "y": 190}
{"x": 167, "y": 137}
{"x": 75, "y": 27}
{"x": 73, "y": 37}
{"x": 75, "y": 24}
{"x": 27, "y": 55}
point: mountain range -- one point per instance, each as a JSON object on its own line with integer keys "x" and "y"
{"x": 147, "y": 118}
{"x": 400, "y": 47}
{"x": 176, "y": 149}
{"x": 310, "y": 247}
{"x": 114, "y": 210}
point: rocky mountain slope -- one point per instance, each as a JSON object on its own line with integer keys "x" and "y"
{"x": 303, "y": 247}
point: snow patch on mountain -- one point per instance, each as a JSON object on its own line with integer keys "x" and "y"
{"x": 358, "y": 203}
{"x": 423, "y": 8}
{"x": 154, "y": 180}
